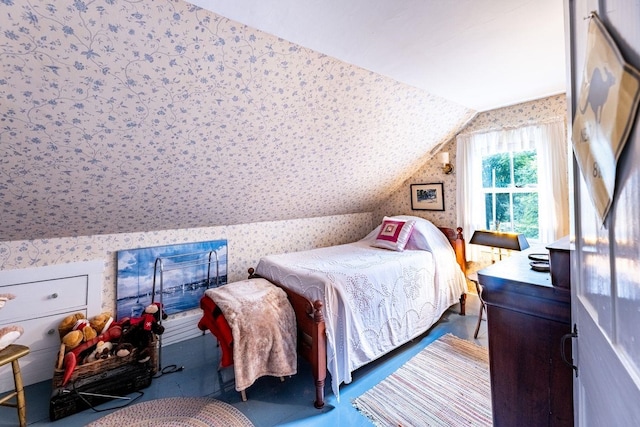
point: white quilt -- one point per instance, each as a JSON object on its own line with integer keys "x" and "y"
{"x": 374, "y": 299}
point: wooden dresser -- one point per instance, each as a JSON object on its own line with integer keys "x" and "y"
{"x": 526, "y": 319}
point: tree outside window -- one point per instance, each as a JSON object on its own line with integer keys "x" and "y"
{"x": 510, "y": 185}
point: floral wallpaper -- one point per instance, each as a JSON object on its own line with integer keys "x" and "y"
{"x": 125, "y": 116}
{"x": 538, "y": 111}
{"x": 543, "y": 110}
{"x": 247, "y": 243}
{"x": 130, "y": 124}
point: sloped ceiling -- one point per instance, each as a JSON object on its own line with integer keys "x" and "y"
{"x": 482, "y": 54}
{"x": 124, "y": 116}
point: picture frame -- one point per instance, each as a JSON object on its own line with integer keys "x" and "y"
{"x": 427, "y": 197}
{"x": 191, "y": 268}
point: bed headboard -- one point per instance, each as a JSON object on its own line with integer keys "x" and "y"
{"x": 457, "y": 241}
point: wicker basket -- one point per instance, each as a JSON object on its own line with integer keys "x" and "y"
{"x": 97, "y": 382}
{"x": 91, "y": 372}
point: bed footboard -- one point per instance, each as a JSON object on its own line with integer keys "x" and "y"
{"x": 312, "y": 340}
{"x": 457, "y": 242}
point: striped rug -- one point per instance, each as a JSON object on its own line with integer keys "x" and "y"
{"x": 446, "y": 384}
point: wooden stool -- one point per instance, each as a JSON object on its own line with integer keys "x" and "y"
{"x": 474, "y": 278}
{"x": 12, "y": 353}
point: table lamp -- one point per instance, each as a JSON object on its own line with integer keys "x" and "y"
{"x": 500, "y": 240}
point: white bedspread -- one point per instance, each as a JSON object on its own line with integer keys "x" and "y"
{"x": 374, "y": 299}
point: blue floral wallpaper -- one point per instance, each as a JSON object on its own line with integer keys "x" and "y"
{"x": 128, "y": 124}
{"x": 125, "y": 116}
{"x": 543, "y": 110}
{"x": 246, "y": 244}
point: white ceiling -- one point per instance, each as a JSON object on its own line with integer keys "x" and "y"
{"x": 482, "y": 54}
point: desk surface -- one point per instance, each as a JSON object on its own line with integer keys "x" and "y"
{"x": 511, "y": 283}
{"x": 517, "y": 268}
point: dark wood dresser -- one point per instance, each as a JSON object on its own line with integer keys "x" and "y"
{"x": 526, "y": 319}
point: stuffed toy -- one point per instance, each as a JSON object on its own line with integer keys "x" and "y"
{"x": 151, "y": 318}
{"x": 8, "y": 334}
{"x": 101, "y": 322}
{"x": 78, "y": 353}
{"x": 101, "y": 351}
{"x": 72, "y": 340}
{"x": 88, "y": 333}
{"x": 138, "y": 332}
{"x": 75, "y": 329}
{"x": 123, "y": 349}
{"x": 67, "y": 324}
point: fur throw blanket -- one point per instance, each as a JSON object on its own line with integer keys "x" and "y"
{"x": 263, "y": 325}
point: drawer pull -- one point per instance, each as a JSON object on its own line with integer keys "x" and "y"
{"x": 54, "y": 295}
{"x": 51, "y": 331}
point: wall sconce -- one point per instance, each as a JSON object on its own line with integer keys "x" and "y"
{"x": 447, "y": 167}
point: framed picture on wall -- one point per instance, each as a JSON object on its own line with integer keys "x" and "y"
{"x": 427, "y": 197}
{"x": 176, "y": 275}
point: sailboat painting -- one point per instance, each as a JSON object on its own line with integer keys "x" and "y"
{"x": 174, "y": 275}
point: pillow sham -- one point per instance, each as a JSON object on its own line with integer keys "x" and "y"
{"x": 394, "y": 234}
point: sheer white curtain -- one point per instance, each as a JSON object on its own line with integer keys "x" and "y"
{"x": 550, "y": 141}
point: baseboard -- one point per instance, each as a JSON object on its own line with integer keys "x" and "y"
{"x": 181, "y": 329}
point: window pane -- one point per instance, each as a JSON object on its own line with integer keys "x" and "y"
{"x": 488, "y": 211}
{"x": 525, "y": 213}
{"x": 502, "y": 219}
{"x": 496, "y": 167}
{"x": 525, "y": 169}
{"x": 503, "y": 211}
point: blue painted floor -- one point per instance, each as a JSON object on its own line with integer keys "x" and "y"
{"x": 270, "y": 402}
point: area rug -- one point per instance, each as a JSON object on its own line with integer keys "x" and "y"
{"x": 176, "y": 411}
{"x": 446, "y": 384}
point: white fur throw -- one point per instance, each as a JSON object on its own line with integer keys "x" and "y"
{"x": 263, "y": 325}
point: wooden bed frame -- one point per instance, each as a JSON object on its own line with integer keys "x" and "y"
{"x": 312, "y": 341}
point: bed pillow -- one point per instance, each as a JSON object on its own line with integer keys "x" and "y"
{"x": 394, "y": 234}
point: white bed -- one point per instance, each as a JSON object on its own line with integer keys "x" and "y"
{"x": 374, "y": 299}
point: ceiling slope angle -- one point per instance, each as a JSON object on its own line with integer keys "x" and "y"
{"x": 480, "y": 54}
{"x": 162, "y": 115}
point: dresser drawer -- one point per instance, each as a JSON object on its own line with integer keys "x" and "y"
{"x": 42, "y": 332}
{"x": 38, "y": 299}
{"x": 44, "y": 296}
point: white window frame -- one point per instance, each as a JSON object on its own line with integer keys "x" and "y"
{"x": 552, "y": 153}
{"x": 511, "y": 190}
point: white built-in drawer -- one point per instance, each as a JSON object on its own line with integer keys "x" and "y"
{"x": 44, "y": 296}
{"x": 38, "y": 299}
{"x": 43, "y": 332}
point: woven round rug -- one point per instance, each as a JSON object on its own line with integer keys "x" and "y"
{"x": 176, "y": 411}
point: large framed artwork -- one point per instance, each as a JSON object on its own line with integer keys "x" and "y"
{"x": 176, "y": 275}
{"x": 427, "y": 197}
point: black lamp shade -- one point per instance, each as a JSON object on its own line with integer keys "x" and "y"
{"x": 499, "y": 239}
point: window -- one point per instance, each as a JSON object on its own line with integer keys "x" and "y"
{"x": 514, "y": 179}
{"x": 510, "y": 187}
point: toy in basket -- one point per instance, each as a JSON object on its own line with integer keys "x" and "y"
{"x": 100, "y": 358}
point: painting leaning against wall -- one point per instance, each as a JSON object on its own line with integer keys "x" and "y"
{"x": 175, "y": 275}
